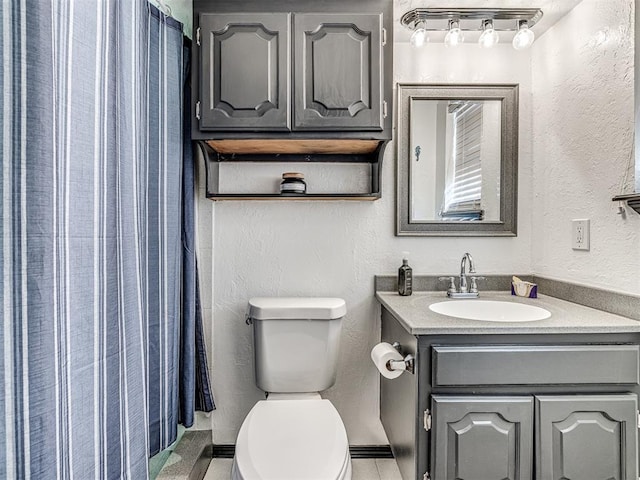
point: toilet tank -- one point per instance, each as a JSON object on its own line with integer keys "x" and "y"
{"x": 296, "y": 342}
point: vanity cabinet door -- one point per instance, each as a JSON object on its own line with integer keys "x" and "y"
{"x": 338, "y": 71}
{"x": 245, "y": 71}
{"x": 587, "y": 437}
{"x": 481, "y": 438}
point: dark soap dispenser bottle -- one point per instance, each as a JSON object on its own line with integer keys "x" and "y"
{"x": 405, "y": 276}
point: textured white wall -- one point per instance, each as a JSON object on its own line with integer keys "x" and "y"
{"x": 582, "y": 139}
{"x": 335, "y": 249}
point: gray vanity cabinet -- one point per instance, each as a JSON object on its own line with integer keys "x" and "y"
{"x": 514, "y": 406}
{"x": 245, "y": 71}
{"x": 255, "y": 75}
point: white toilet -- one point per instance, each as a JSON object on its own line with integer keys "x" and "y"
{"x": 294, "y": 434}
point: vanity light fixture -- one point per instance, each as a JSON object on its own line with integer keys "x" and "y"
{"x": 524, "y": 37}
{"x": 454, "y": 35}
{"x": 483, "y": 24}
{"x": 419, "y": 36}
{"x": 489, "y": 36}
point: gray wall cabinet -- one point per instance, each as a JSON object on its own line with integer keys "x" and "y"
{"x": 255, "y": 74}
{"x": 515, "y": 407}
{"x": 292, "y": 81}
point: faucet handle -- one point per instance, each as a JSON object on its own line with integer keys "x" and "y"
{"x": 474, "y": 284}
{"x": 452, "y": 284}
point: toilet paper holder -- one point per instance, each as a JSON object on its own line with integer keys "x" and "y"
{"x": 407, "y": 363}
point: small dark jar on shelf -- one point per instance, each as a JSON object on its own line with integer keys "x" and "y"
{"x": 293, "y": 182}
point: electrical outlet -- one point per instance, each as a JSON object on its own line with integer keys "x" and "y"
{"x": 580, "y": 238}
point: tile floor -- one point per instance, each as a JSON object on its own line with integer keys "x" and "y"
{"x": 363, "y": 469}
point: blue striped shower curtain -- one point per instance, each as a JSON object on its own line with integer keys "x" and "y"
{"x": 176, "y": 364}
{"x": 195, "y": 390}
{"x": 90, "y": 260}
{"x": 162, "y": 213}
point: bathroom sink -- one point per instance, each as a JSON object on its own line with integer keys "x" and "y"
{"x": 490, "y": 310}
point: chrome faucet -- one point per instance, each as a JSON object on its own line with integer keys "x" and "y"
{"x": 464, "y": 287}
{"x": 468, "y": 286}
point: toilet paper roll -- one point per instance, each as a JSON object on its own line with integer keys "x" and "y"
{"x": 381, "y": 354}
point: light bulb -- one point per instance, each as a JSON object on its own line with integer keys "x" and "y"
{"x": 454, "y": 35}
{"x": 524, "y": 38}
{"x": 489, "y": 36}
{"x": 419, "y": 36}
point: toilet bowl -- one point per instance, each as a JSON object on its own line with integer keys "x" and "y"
{"x": 297, "y": 439}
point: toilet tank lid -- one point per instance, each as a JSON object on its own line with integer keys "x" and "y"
{"x": 307, "y": 308}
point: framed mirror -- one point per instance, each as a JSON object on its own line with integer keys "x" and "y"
{"x": 457, "y": 160}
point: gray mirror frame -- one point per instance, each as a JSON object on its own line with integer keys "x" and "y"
{"x": 507, "y": 226}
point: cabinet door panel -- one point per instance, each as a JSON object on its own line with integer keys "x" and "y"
{"x": 245, "y": 73}
{"x": 338, "y": 71}
{"x": 587, "y": 437}
{"x": 481, "y": 438}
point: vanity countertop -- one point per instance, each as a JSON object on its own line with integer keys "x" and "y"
{"x": 566, "y": 317}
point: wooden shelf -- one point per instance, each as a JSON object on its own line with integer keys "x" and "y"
{"x": 339, "y": 151}
{"x": 295, "y": 147}
{"x": 308, "y": 196}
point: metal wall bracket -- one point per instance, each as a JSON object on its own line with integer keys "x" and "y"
{"x": 407, "y": 363}
{"x": 632, "y": 200}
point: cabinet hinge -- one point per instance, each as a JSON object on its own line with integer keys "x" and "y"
{"x": 638, "y": 412}
{"x": 384, "y": 109}
{"x": 384, "y": 37}
{"x": 426, "y": 476}
{"x": 198, "y": 35}
{"x": 427, "y": 420}
{"x": 198, "y": 110}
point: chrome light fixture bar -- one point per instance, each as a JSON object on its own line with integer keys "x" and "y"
{"x": 486, "y": 21}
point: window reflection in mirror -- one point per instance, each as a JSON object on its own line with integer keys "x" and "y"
{"x": 455, "y": 169}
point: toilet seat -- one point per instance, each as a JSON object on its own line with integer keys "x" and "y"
{"x": 292, "y": 440}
